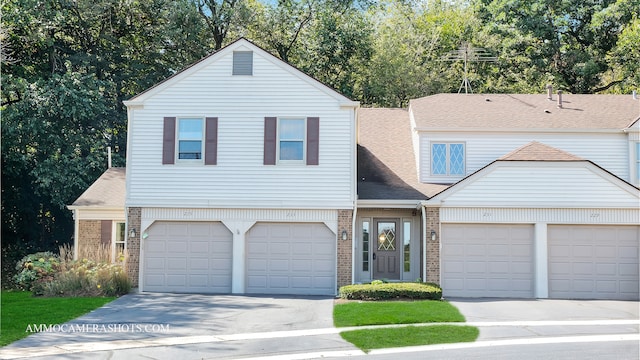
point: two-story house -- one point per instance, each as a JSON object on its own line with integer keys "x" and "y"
{"x": 528, "y": 196}
{"x": 244, "y": 175}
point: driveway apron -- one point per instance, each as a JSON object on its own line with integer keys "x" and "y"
{"x": 160, "y": 316}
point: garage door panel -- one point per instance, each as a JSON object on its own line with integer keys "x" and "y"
{"x": 301, "y": 259}
{"x": 601, "y": 263}
{"x": 487, "y": 260}
{"x": 187, "y": 257}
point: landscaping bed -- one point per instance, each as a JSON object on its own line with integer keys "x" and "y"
{"x": 382, "y": 303}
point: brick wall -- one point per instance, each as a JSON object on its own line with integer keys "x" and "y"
{"x": 134, "y": 221}
{"x": 89, "y": 237}
{"x": 433, "y": 247}
{"x": 345, "y": 218}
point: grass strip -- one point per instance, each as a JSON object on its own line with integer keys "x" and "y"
{"x": 369, "y": 339}
{"x": 394, "y": 312}
{"x": 20, "y": 309}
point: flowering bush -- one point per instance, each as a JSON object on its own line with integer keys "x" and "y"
{"x": 35, "y": 268}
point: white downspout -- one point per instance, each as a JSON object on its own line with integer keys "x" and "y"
{"x": 424, "y": 242}
{"x": 76, "y": 231}
{"x": 353, "y": 242}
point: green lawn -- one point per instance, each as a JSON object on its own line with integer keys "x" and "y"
{"x": 370, "y": 339}
{"x": 402, "y": 312}
{"x": 19, "y": 309}
{"x": 394, "y": 312}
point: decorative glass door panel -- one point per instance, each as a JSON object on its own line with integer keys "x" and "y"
{"x": 386, "y": 257}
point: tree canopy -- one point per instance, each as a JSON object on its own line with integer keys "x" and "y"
{"x": 68, "y": 65}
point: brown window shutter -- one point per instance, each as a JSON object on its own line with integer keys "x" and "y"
{"x": 169, "y": 141}
{"x": 313, "y": 140}
{"x": 270, "y": 128}
{"x": 211, "y": 141}
{"x": 105, "y": 232}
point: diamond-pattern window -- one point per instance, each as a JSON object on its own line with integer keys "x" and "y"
{"x": 447, "y": 159}
{"x": 456, "y": 159}
{"x": 439, "y": 159}
{"x": 387, "y": 236}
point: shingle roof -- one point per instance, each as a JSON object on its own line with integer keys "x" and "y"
{"x": 524, "y": 111}
{"x": 535, "y": 151}
{"x": 109, "y": 191}
{"x": 386, "y": 160}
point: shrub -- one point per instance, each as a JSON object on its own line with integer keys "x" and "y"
{"x": 391, "y": 291}
{"x": 87, "y": 278}
{"x": 36, "y": 268}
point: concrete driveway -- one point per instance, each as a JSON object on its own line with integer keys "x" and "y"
{"x": 164, "y": 326}
{"x": 159, "y": 319}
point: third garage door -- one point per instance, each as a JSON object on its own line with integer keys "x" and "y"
{"x": 487, "y": 260}
{"x": 593, "y": 262}
{"x": 291, "y": 258}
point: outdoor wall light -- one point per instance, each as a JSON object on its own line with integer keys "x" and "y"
{"x": 344, "y": 234}
{"x": 433, "y": 235}
{"x": 132, "y": 233}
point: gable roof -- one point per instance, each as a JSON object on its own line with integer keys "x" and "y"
{"x": 109, "y": 191}
{"x": 524, "y": 111}
{"x": 386, "y": 161}
{"x": 243, "y": 44}
{"x": 535, "y": 151}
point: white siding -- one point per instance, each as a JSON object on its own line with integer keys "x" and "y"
{"x": 609, "y": 151}
{"x": 240, "y": 179}
{"x": 541, "y": 184}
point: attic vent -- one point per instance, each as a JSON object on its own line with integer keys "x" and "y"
{"x": 242, "y": 63}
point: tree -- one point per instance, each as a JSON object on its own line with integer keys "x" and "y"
{"x": 221, "y": 16}
{"x": 563, "y": 42}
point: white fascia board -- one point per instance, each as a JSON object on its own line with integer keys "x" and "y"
{"x": 391, "y": 204}
{"x": 345, "y": 205}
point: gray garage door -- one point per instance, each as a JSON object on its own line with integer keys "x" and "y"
{"x": 187, "y": 257}
{"x": 291, "y": 258}
{"x": 593, "y": 262}
{"x": 487, "y": 260}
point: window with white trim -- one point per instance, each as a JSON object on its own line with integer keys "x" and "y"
{"x": 119, "y": 242}
{"x": 291, "y": 140}
{"x": 190, "y": 138}
{"x": 447, "y": 159}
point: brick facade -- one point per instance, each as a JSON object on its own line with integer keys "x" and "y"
{"x": 345, "y": 247}
{"x": 433, "y": 247}
{"x": 89, "y": 237}
{"x": 134, "y": 221}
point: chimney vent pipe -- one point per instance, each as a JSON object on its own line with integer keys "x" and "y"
{"x": 549, "y": 92}
{"x": 560, "y": 99}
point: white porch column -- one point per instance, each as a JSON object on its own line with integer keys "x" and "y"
{"x": 541, "y": 258}
{"x": 238, "y": 267}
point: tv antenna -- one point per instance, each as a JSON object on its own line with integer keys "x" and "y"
{"x": 468, "y": 53}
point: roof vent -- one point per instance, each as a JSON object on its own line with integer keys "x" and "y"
{"x": 549, "y": 92}
{"x": 560, "y": 99}
{"x": 547, "y": 111}
{"x": 487, "y": 99}
{"x": 635, "y": 95}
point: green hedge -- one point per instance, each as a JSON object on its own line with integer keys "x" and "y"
{"x": 390, "y": 291}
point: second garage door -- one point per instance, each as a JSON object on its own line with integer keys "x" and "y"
{"x": 593, "y": 262}
{"x": 487, "y": 260}
{"x": 291, "y": 258}
{"x": 187, "y": 257}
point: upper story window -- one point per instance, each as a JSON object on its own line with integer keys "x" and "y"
{"x": 291, "y": 140}
{"x": 447, "y": 159}
{"x": 242, "y": 63}
{"x": 190, "y": 137}
{"x": 291, "y": 137}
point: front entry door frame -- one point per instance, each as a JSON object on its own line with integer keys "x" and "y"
{"x": 386, "y": 246}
